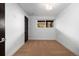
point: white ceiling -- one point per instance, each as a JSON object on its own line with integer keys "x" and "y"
{"x": 38, "y": 9}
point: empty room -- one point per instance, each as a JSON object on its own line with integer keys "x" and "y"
{"x": 40, "y": 29}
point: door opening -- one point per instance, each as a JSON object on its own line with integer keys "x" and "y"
{"x": 26, "y": 29}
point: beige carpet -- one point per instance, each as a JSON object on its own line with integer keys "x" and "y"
{"x": 43, "y": 48}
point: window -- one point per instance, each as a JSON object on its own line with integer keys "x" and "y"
{"x": 49, "y": 23}
{"x": 41, "y": 24}
{"x": 45, "y": 24}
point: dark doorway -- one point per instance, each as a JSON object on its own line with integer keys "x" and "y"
{"x": 26, "y": 29}
{"x": 2, "y": 29}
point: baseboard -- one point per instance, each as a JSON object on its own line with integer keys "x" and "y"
{"x": 14, "y": 48}
{"x": 68, "y": 43}
{"x": 73, "y": 51}
{"x": 41, "y": 39}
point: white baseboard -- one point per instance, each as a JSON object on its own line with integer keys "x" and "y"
{"x": 68, "y": 43}
{"x": 41, "y": 39}
{"x": 16, "y": 46}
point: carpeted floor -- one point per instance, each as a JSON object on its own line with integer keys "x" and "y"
{"x": 43, "y": 48}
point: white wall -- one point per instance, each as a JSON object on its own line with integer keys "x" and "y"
{"x": 67, "y": 24}
{"x": 14, "y": 27}
{"x": 36, "y": 33}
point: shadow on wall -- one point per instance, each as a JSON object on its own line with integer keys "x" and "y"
{"x": 67, "y": 42}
